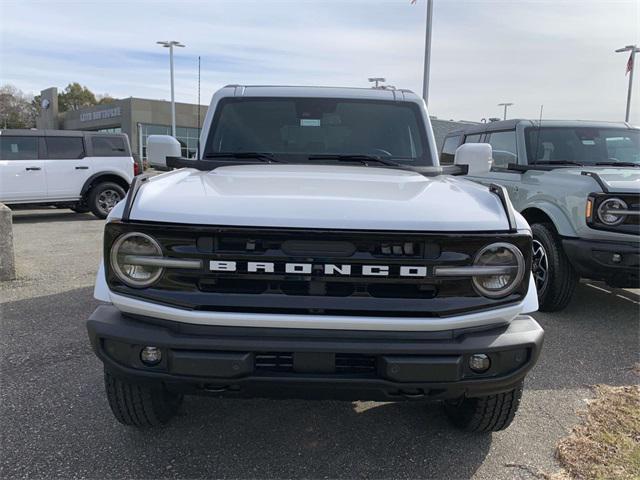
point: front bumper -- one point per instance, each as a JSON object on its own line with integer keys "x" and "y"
{"x": 595, "y": 260}
{"x": 311, "y": 363}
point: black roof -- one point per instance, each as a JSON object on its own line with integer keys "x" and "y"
{"x": 34, "y": 132}
{"x": 511, "y": 124}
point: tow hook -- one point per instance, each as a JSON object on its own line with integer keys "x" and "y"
{"x": 418, "y": 393}
{"x": 215, "y": 388}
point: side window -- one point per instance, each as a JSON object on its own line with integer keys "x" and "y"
{"x": 108, "y": 146}
{"x": 504, "y": 148}
{"x": 449, "y": 149}
{"x": 473, "y": 138}
{"x": 65, "y": 147}
{"x": 18, "y": 148}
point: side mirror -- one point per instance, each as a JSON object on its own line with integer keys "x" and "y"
{"x": 476, "y": 155}
{"x": 159, "y": 147}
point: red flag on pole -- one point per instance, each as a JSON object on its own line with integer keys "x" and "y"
{"x": 629, "y": 64}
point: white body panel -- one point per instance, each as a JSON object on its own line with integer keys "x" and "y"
{"x": 57, "y": 180}
{"x": 22, "y": 180}
{"x": 65, "y": 177}
{"x": 319, "y": 196}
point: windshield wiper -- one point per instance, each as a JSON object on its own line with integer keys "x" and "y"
{"x": 619, "y": 164}
{"x": 559, "y": 162}
{"x": 364, "y": 159}
{"x": 262, "y": 156}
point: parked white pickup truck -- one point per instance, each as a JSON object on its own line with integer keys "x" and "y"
{"x": 316, "y": 249}
{"x": 84, "y": 171}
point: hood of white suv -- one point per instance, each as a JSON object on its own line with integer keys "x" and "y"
{"x": 319, "y": 196}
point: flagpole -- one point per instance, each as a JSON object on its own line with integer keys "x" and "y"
{"x": 427, "y": 52}
{"x": 632, "y": 60}
{"x": 630, "y": 69}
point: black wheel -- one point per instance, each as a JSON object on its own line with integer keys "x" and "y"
{"x": 103, "y": 197}
{"x": 553, "y": 273}
{"x": 485, "y": 414}
{"x": 140, "y": 405}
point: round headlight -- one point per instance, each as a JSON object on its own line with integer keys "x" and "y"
{"x": 123, "y": 253}
{"x": 506, "y": 259}
{"x": 605, "y": 214}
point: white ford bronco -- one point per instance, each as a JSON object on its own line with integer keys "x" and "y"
{"x": 84, "y": 171}
{"x": 316, "y": 249}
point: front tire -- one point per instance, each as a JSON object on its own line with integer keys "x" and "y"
{"x": 103, "y": 197}
{"x": 485, "y": 414}
{"x": 139, "y": 405}
{"x": 554, "y": 275}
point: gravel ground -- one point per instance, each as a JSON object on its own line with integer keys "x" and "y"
{"x": 55, "y": 421}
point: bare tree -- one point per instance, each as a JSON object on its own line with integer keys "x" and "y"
{"x": 17, "y": 109}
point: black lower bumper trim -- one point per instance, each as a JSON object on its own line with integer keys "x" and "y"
{"x": 616, "y": 263}
{"x": 319, "y": 365}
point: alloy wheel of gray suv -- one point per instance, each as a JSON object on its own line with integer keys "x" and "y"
{"x": 553, "y": 273}
{"x": 540, "y": 265}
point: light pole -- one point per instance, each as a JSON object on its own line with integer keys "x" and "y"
{"x": 170, "y": 44}
{"x": 427, "y": 52}
{"x": 630, "y": 67}
{"x": 377, "y": 81}
{"x": 505, "y": 105}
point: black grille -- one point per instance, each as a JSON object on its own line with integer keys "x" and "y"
{"x": 274, "y": 362}
{"x": 345, "y": 363}
{"x": 355, "y": 363}
{"x": 315, "y": 291}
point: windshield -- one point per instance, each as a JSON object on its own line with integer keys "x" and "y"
{"x": 586, "y": 146}
{"x": 294, "y": 129}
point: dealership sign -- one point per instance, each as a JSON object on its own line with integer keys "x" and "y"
{"x": 100, "y": 114}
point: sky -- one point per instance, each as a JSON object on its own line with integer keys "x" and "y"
{"x": 556, "y": 53}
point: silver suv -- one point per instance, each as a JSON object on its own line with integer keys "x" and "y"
{"x": 578, "y": 185}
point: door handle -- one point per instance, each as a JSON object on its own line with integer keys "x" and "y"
{"x": 32, "y": 168}
{"x": 82, "y": 168}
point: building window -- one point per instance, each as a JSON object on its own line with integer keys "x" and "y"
{"x": 187, "y": 136}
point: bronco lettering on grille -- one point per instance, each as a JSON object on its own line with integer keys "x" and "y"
{"x": 325, "y": 268}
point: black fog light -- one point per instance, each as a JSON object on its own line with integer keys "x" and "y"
{"x": 479, "y": 362}
{"x": 151, "y": 355}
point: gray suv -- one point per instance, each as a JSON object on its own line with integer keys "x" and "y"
{"x": 578, "y": 185}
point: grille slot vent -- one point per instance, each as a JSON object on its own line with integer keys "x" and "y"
{"x": 346, "y": 363}
{"x": 355, "y": 363}
{"x": 274, "y": 362}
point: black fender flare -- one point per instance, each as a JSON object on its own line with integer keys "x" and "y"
{"x": 103, "y": 173}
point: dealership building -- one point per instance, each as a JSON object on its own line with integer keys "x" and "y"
{"x": 140, "y": 117}
{"x": 137, "y": 117}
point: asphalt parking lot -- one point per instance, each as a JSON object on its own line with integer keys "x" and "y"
{"x": 55, "y": 421}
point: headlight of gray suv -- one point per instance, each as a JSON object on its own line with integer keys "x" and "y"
{"x": 130, "y": 259}
{"x": 607, "y": 214}
{"x": 501, "y": 268}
